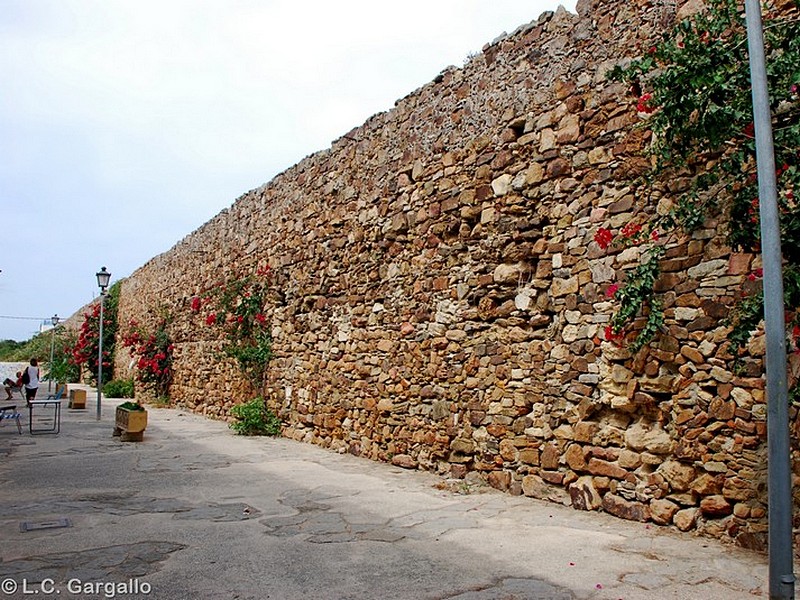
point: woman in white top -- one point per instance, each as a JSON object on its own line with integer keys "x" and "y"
{"x": 32, "y": 385}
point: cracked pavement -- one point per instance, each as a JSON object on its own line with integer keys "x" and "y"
{"x": 195, "y": 511}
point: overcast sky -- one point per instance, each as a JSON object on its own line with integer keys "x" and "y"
{"x": 127, "y": 124}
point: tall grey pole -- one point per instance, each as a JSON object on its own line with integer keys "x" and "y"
{"x": 781, "y": 576}
{"x": 100, "y": 357}
{"x": 52, "y": 354}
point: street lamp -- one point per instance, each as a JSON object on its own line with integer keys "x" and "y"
{"x": 103, "y": 278}
{"x": 54, "y": 320}
{"x": 779, "y": 468}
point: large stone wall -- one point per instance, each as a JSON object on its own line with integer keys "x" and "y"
{"x": 443, "y": 299}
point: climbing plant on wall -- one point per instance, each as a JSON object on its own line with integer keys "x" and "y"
{"x": 152, "y": 352}
{"x": 84, "y": 352}
{"x": 692, "y": 91}
{"x": 237, "y": 307}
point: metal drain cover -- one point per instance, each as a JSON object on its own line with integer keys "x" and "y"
{"x": 37, "y": 525}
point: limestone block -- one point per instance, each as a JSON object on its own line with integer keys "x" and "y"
{"x": 562, "y": 287}
{"x": 535, "y": 487}
{"x": 505, "y": 274}
{"x": 686, "y": 519}
{"x": 502, "y": 185}
{"x": 663, "y": 511}
{"x": 650, "y": 438}
{"x": 678, "y": 475}
{"x": 583, "y": 495}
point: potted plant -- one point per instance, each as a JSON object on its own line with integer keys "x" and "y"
{"x": 130, "y": 421}
{"x": 152, "y": 353}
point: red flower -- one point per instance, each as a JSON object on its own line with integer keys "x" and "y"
{"x": 643, "y": 106}
{"x": 261, "y": 318}
{"x": 196, "y": 303}
{"x": 630, "y": 230}
{"x": 749, "y": 130}
{"x": 211, "y": 319}
{"x": 603, "y": 237}
{"x": 654, "y": 235}
{"x": 612, "y": 290}
{"x": 757, "y": 274}
{"x": 611, "y": 335}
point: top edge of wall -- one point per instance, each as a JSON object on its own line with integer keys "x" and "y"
{"x": 550, "y": 23}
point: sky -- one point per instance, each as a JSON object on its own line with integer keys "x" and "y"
{"x": 127, "y": 124}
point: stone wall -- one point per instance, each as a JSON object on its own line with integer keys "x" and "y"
{"x": 443, "y": 299}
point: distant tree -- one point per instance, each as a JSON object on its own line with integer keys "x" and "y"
{"x": 8, "y": 348}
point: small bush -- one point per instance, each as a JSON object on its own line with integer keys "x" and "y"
{"x": 119, "y": 388}
{"x": 131, "y": 406}
{"x": 254, "y": 418}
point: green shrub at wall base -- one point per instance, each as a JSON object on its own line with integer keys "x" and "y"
{"x": 118, "y": 388}
{"x": 254, "y": 418}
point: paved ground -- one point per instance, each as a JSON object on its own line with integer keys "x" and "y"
{"x": 194, "y": 511}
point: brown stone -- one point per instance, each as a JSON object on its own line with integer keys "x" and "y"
{"x": 534, "y": 487}
{"x": 508, "y": 450}
{"x": 462, "y": 446}
{"x": 625, "y": 509}
{"x": 679, "y": 476}
{"x": 693, "y": 355}
{"x": 558, "y": 167}
{"x": 606, "y": 469}
{"x": 499, "y": 480}
{"x": 737, "y": 488}
{"x": 458, "y": 471}
{"x": 529, "y": 456}
{"x": 708, "y": 485}
{"x": 583, "y": 495}
{"x": 715, "y": 506}
{"x": 662, "y": 511}
{"x": 585, "y": 431}
{"x": 549, "y": 456}
{"x": 629, "y": 460}
{"x": 404, "y": 461}
{"x": 685, "y": 519}
{"x": 648, "y": 437}
{"x": 721, "y": 410}
{"x": 555, "y": 477}
{"x": 575, "y": 457}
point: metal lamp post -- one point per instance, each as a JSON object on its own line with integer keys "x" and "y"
{"x": 781, "y": 577}
{"x": 54, "y": 320}
{"x": 103, "y": 277}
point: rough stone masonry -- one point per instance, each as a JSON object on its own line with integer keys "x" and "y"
{"x": 443, "y": 301}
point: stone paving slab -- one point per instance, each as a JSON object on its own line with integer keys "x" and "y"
{"x": 195, "y": 511}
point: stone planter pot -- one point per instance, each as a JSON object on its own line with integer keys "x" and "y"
{"x": 130, "y": 424}
{"x": 77, "y": 399}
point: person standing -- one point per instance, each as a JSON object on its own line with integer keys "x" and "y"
{"x": 30, "y": 377}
